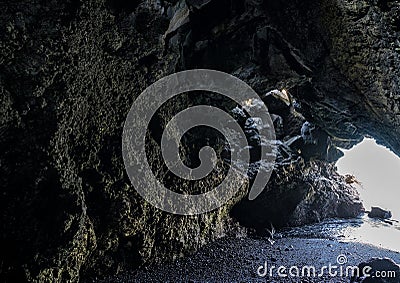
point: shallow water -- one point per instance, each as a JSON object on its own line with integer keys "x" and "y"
{"x": 363, "y": 230}
{"x": 377, "y": 168}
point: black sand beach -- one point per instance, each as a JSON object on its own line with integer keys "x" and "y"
{"x": 238, "y": 259}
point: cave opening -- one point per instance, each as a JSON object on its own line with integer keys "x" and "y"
{"x": 377, "y": 170}
{"x": 374, "y": 170}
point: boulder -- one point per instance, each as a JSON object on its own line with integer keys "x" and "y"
{"x": 293, "y": 199}
{"x": 277, "y": 100}
{"x": 377, "y": 212}
{"x": 372, "y": 271}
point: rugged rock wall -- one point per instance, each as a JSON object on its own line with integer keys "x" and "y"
{"x": 71, "y": 69}
{"x": 70, "y": 72}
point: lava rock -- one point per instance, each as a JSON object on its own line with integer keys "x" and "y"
{"x": 293, "y": 199}
{"x": 377, "y": 212}
{"x": 374, "y": 270}
{"x": 277, "y": 100}
{"x": 307, "y": 133}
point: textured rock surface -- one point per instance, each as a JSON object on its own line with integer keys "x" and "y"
{"x": 377, "y": 212}
{"x": 378, "y": 270}
{"x": 69, "y": 74}
{"x": 292, "y": 199}
{"x": 71, "y": 69}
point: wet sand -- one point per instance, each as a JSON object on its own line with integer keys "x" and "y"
{"x": 238, "y": 259}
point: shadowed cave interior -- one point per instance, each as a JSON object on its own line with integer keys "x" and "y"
{"x": 328, "y": 71}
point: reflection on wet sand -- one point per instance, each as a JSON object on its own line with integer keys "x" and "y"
{"x": 364, "y": 230}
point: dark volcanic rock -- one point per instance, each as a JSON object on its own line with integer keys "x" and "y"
{"x": 69, "y": 73}
{"x": 300, "y": 193}
{"x": 378, "y": 270}
{"x": 377, "y": 212}
{"x": 71, "y": 69}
